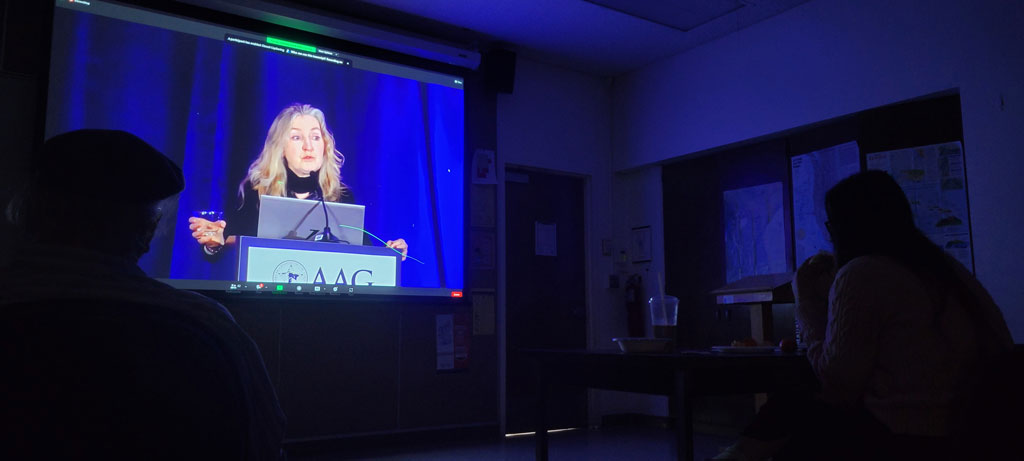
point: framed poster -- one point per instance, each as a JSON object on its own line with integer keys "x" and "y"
{"x": 640, "y": 244}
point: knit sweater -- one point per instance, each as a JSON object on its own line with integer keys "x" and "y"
{"x": 882, "y": 345}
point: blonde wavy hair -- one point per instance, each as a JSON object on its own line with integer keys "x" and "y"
{"x": 267, "y": 173}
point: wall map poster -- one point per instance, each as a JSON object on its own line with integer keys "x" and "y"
{"x": 933, "y": 179}
{"x": 755, "y": 239}
{"x": 814, "y": 174}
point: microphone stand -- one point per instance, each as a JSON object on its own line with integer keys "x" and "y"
{"x": 325, "y": 235}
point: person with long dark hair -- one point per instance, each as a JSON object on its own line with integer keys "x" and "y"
{"x": 895, "y": 327}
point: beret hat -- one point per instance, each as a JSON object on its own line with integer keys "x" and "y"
{"x": 110, "y": 165}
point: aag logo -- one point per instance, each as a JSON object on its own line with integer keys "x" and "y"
{"x": 290, "y": 272}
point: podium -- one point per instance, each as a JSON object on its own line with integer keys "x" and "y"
{"x": 760, "y": 292}
{"x": 301, "y": 261}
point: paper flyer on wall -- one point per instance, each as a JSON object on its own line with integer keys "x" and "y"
{"x": 813, "y": 174}
{"x": 545, "y": 239}
{"x": 933, "y": 179}
{"x": 445, "y": 326}
{"x": 483, "y": 167}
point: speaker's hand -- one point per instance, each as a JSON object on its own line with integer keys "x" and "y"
{"x": 400, "y": 245}
{"x": 207, "y": 233}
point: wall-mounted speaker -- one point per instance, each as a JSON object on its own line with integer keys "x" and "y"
{"x": 499, "y": 68}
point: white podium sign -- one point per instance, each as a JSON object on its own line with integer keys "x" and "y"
{"x": 297, "y": 261}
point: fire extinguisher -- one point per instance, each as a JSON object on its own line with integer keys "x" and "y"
{"x": 635, "y": 306}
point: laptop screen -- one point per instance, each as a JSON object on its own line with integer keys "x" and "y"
{"x": 298, "y": 219}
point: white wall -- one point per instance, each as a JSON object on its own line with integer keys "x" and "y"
{"x": 829, "y": 58}
{"x": 637, "y": 202}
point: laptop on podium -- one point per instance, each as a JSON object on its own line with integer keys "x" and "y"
{"x": 298, "y": 219}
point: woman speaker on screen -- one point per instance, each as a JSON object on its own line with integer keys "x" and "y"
{"x": 299, "y": 160}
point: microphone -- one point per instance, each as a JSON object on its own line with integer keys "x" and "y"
{"x": 325, "y": 235}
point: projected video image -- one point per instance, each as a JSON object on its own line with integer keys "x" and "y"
{"x": 276, "y": 144}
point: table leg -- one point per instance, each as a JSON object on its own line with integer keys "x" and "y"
{"x": 540, "y": 418}
{"x": 762, "y": 325}
{"x": 684, "y": 417}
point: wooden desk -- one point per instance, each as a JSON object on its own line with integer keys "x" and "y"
{"x": 681, "y": 376}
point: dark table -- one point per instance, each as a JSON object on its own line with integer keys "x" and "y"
{"x": 681, "y": 376}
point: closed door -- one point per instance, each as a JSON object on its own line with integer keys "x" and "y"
{"x": 545, "y": 290}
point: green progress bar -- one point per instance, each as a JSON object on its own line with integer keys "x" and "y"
{"x": 297, "y": 46}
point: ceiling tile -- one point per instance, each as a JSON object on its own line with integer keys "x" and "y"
{"x": 681, "y": 15}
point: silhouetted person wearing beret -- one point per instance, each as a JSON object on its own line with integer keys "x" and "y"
{"x": 101, "y": 361}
